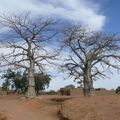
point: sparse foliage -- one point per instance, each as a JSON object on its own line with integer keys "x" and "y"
{"x": 90, "y": 54}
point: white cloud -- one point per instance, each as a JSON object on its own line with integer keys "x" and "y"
{"x": 82, "y": 11}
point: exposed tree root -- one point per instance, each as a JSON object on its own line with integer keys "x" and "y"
{"x": 61, "y": 116}
{"x": 59, "y": 113}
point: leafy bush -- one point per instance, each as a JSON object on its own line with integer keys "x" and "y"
{"x": 18, "y": 81}
{"x": 117, "y": 91}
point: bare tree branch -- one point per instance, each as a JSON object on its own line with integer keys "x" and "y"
{"x": 26, "y": 39}
{"x": 89, "y": 50}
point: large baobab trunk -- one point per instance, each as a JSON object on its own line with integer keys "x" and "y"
{"x": 88, "y": 84}
{"x": 31, "y": 78}
{"x": 88, "y": 88}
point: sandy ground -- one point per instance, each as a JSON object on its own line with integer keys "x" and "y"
{"x": 93, "y": 108}
{"x": 19, "y": 108}
{"x": 102, "y": 107}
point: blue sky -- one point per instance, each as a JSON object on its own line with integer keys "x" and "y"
{"x": 99, "y": 15}
{"x": 111, "y": 9}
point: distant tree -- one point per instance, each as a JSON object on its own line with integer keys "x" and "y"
{"x": 70, "y": 86}
{"x": 7, "y": 80}
{"x": 5, "y": 85}
{"x": 89, "y": 53}
{"x": 27, "y": 39}
{"x": 42, "y": 81}
{"x": 20, "y": 81}
{"x": 117, "y": 91}
{"x": 17, "y": 81}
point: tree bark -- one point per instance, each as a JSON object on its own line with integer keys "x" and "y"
{"x": 31, "y": 78}
{"x": 88, "y": 89}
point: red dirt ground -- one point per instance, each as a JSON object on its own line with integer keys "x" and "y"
{"x": 102, "y": 107}
{"x": 93, "y": 108}
{"x": 19, "y": 108}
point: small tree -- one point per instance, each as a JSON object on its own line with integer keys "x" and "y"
{"x": 27, "y": 39}
{"x": 89, "y": 54}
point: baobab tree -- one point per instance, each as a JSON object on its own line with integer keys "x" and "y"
{"x": 89, "y": 54}
{"x": 27, "y": 40}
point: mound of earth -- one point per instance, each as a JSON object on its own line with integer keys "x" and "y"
{"x": 92, "y": 108}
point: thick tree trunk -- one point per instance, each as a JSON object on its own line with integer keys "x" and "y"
{"x": 31, "y": 85}
{"x": 88, "y": 88}
{"x": 88, "y": 84}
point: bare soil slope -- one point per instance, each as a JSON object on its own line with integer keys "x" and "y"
{"x": 19, "y": 108}
{"x": 102, "y": 107}
{"x": 92, "y": 108}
